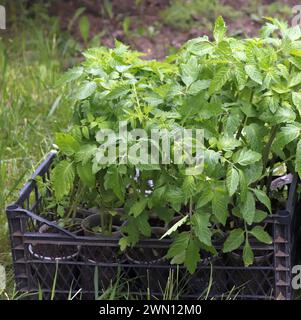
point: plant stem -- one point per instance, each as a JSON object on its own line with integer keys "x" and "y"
{"x": 139, "y": 111}
{"x": 270, "y": 174}
{"x": 243, "y": 124}
{"x": 110, "y": 231}
{"x": 190, "y": 208}
{"x": 239, "y": 132}
{"x": 231, "y": 163}
{"x": 75, "y": 202}
{"x": 102, "y": 220}
{"x": 266, "y": 151}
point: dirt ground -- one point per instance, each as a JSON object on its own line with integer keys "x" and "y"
{"x": 160, "y": 37}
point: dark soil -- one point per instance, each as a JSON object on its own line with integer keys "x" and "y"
{"x": 147, "y": 17}
{"x": 54, "y": 251}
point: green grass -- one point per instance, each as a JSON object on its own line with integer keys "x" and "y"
{"x": 33, "y": 55}
{"x": 119, "y": 290}
{"x": 188, "y": 14}
{"x": 256, "y": 10}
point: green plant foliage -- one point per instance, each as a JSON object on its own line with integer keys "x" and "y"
{"x": 63, "y": 178}
{"x": 185, "y": 14}
{"x": 244, "y": 94}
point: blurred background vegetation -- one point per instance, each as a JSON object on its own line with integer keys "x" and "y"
{"x": 45, "y": 38}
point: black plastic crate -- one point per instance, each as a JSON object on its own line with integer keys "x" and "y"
{"x": 85, "y": 264}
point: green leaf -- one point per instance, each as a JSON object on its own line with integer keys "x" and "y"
{"x": 234, "y": 240}
{"x": 268, "y": 29}
{"x": 188, "y": 186}
{"x": 86, "y": 90}
{"x": 261, "y": 235}
{"x": 138, "y": 207}
{"x": 143, "y": 224}
{"x": 148, "y": 167}
{"x": 272, "y": 103}
{"x": 223, "y": 49}
{"x": 131, "y": 230}
{"x": 232, "y": 123}
{"x": 178, "y": 247}
{"x": 70, "y": 75}
{"x": 76, "y": 133}
{"x": 85, "y": 153}
{"x": 253, "y": 133}
{"x": 296, "y": 96}
{"x": 295, "y": 80}
{"x": 293, "y": 33}
{"x": 86, "y": 175}
{"x": 62, "y": 179}
{"x": 232, "y": 180}
{"x": 199, "y": 49}
{"x": 247, "y": 157}
{"x": 263, "y": 198}
{"x": 227, "y": 143}
{"x": 123, "y": 243}
{"x": 118, "y": 92}
{"x": 84, "y": 27}
{"x": 190, "y": 71}
{"x": 282, "y": 115}
{"x": 163, "y": 213}
{"x": 243, "y": 186}
{"x": 113, "y": 181}
{"x": 296, "y": 61}
{"x": 192, "y": 255}
{"x": 67, "y": 144}
{"x": 185, "y": 249}
{"x": 209, "y": 110}
{"x": 154, "y": 99}
{"x": 220, "y": 78}
{"x": 248, "y": 208}
{"x": 248, "y": 255}
{"x": 201, "y": 228}
{"x": 175, "y": 227}
{"x": 179, "y": 259}
{"x": 220, "y": 29}
{"x": 298, "y": 159}
{"x": 287, "y": 134}
{"x": 240, "y": 75}
{"x": 205, "y": 197}
{"x": 156, "y": 197}
{"x": 253, "y": 172}
{"x": 254, "y": 73}
{"x": 86, "y": 132}
{"x": 220, "y": 206}
{"x": 198, "y": 86}
{"x": 259, "y": 216}
{"x": 175, "y": 196}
